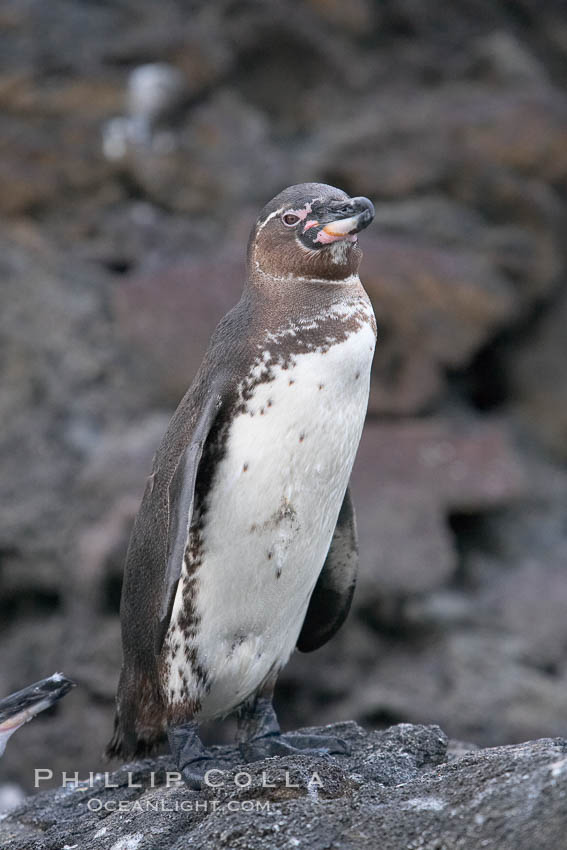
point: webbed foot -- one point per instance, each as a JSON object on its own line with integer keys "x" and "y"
{"x": 260, "y": 736}
{"x": 191, "y": 756}
{"x": 290, "y": 743}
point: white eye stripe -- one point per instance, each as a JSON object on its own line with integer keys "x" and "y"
{"x": 301, "y": 213}
{"x": 269, "y": 218}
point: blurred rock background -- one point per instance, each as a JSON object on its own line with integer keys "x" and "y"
{"x": 137, "y": 143}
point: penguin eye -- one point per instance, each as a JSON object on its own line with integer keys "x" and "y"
{"x": 290, "y": 220}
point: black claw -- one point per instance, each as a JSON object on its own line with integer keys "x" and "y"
{"x": 193, "y": 779}
{"x": 194, "y": 774}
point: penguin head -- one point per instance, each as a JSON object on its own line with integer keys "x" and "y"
{"x": 309, "y": 231}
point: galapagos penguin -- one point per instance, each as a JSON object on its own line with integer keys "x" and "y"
{"x": 245, "y": 546}
{"x": 18, "y": 708}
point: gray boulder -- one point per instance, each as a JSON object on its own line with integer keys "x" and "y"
{"x": 405, "y": 787}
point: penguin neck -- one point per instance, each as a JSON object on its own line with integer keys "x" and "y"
{"x": 335, "y": 265}
{"x": 309, "y": 286}
{"x": 279, "y": 300}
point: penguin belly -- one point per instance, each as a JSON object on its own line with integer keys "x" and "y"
{"x": 270, "y": 517}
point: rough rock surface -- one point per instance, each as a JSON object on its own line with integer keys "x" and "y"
{"x": 123, "y": 224}
{"x": 404, "y": 788}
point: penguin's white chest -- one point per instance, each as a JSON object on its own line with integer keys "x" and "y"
{"x": 271, "y": 514}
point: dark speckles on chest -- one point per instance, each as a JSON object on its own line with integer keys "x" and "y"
{"x": 313, "y": 335}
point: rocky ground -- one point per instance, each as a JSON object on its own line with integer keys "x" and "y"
{"x": 402, "y": 788}
{"x": 124, "y": 222}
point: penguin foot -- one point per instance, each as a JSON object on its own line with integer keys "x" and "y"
{"x": 292, "y": 743}
{"x": 195, "y": 772}
{"x": 191, "y": 756}
{"x": 259, "y": 736}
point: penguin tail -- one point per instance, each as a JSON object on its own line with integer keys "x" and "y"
{"x": 140, "y": 719}
{"x": 115, "y": 747}
{"x": 126, "y": 747}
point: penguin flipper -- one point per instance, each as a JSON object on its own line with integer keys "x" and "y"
{"x": 330, "y": 601}
{"x": 181, "y": 493}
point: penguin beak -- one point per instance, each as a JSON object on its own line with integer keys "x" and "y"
{"x": 347, "y": 221}
{"x": 20, "y": 707}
